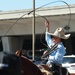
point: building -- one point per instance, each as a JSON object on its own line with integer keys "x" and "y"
{"x": 16, "y": 27}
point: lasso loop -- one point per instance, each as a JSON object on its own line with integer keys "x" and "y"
{"x": 37, "y": 9}
{"x": 41, "y": 16}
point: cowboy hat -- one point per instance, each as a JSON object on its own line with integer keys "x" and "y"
{"x": 59, "y": 32}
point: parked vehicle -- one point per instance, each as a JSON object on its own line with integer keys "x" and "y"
{"x": 69, "y": 63}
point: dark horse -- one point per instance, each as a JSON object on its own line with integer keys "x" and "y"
{"x": 16, "y": 64}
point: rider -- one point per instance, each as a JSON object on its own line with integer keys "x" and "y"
{"x": 57, "y": 56}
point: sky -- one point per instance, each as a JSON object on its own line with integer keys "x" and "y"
{"x": 8, "y": 5}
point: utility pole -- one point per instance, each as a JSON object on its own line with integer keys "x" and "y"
{"x": 33, "y": 31}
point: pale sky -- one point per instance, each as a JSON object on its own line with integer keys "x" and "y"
{"x": 7, "y": 5}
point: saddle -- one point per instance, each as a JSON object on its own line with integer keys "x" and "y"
{"x": 46, "y": 70}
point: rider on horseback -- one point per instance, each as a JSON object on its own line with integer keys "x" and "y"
{"x": 56, "y": 57}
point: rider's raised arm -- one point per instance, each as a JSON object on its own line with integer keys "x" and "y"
{"x": 47, "y": 26}
{"x": 47, "y": 36}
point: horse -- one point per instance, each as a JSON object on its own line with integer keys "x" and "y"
{"x": 17, "y": 64}
{"x": 29, "y": 68}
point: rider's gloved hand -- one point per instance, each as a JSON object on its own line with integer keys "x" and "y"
{"x": 45, "y": 53}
